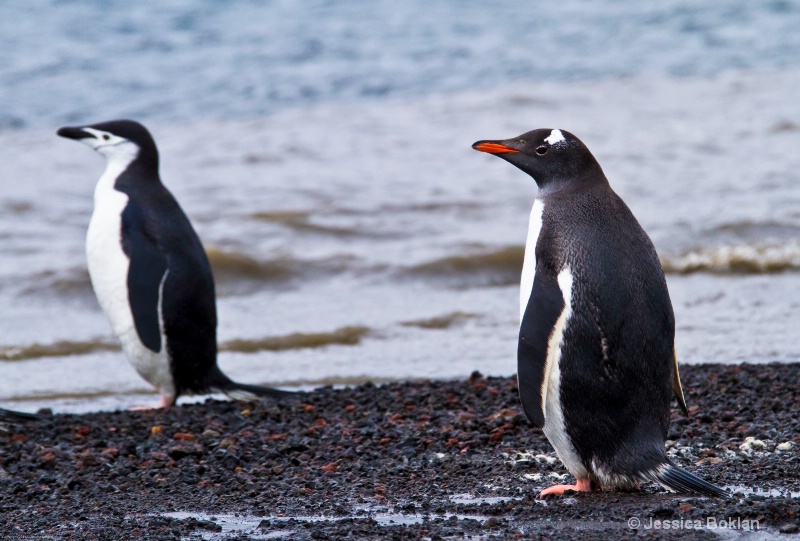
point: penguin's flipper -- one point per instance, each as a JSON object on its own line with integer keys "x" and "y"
{"x": 146, "y": 275}
{"x": 535, "y": 333}
{"x": 676, "y": 385}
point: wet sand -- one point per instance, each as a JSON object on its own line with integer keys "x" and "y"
{"x": 434, "y": 459}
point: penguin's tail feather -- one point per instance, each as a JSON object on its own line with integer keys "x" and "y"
{"x": 676, "y": 479}
{"x": 10, "y": 416}
{"x": 219, "y": 382}
{"x": 243, "y": 391}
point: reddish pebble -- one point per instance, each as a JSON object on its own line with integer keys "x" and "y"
{"x": 465, "y": 417}
{"x": 504, "y": 414}
{"x": 184, "y": 436}
{"x": 83, "y": 431}
{"x": 396, "y": 418}
{"x": 330, "y": 467}
{"x": 350, "y": 408}
{"x": 684, "y": 507}
{"x": 19, "y": 438}
{"x": 308, "y": 408}
{"x": 385, "y": 441}
{"x": 451, "y": 442}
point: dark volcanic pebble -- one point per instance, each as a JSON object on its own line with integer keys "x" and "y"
{"x": 437, "y": 460}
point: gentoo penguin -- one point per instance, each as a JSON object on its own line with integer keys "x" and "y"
{"x": 596, "y": 354}
{"x": 149, "y": 270}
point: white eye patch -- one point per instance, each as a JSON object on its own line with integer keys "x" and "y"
{"x": 555, "y": 137}
{"x": 117, "y": 149}
{"x": 102, "y": 138}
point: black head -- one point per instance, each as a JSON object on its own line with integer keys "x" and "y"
{"x": 554, "y": 158}
{"x": 117, "y": 140}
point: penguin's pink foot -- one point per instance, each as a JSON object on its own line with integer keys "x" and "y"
{"x": 166, "y": 401}
{"x": 581, "y": 485}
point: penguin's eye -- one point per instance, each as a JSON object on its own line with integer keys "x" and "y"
{"x": 541, "y": 151}
{"x": 106, "y": 136}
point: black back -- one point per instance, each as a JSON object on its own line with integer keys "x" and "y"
{"x": 617, "y": 356}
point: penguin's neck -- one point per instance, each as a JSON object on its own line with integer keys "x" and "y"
{"x": 116, "y": 164}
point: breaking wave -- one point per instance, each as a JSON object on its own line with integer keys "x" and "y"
{"x": 236, "y": 272}
{"x": 741, "y": 259}
{"x": 348, "y": 336}
{"x": 67, "y": 283}
{"x": 300, "y": 221}
{"x": 441, "y": 322}
{"x": 61, "y": 348}
{"x": 494, "y": 268}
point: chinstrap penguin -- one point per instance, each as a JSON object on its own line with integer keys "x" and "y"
{"x": 596, "y": 356}
{"x": 149, "y": 270}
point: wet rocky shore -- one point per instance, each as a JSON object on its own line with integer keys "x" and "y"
{"x": 412, "y": 460}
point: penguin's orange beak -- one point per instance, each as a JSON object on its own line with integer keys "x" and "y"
{"x": 492, "y": 147}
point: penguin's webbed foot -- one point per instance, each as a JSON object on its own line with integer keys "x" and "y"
{"x": 581, "y": 485}
{"x": 166, "y": 401}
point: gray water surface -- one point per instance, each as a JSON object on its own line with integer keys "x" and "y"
{"x": 322, "y": 151}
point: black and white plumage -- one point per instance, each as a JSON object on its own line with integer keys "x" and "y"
{"x": 596, "y": 359}
{"x": 149, "y": 270}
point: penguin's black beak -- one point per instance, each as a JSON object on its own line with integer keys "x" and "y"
{"x": 493, "y": 147}
{"x": 73, "y": 133}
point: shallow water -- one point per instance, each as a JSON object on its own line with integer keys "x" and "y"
{"x": 276, "y": 527}
{"x": 324, "y": 157}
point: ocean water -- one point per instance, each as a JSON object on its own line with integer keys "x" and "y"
{"x": 322, "y": 151}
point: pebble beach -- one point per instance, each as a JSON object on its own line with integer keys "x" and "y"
{"x": 413, "y": 460}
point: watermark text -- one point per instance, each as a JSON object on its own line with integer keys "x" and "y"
{"x": 704, "y": 523}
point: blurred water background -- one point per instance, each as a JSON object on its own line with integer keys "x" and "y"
{"x": 322, "y": 150}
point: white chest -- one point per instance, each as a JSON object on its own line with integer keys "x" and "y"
{"x": 108, "y": 269}
{"x": 108, "y": 264}
{"x": 554, "y": 422}
{"x": 529, "y": 263}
